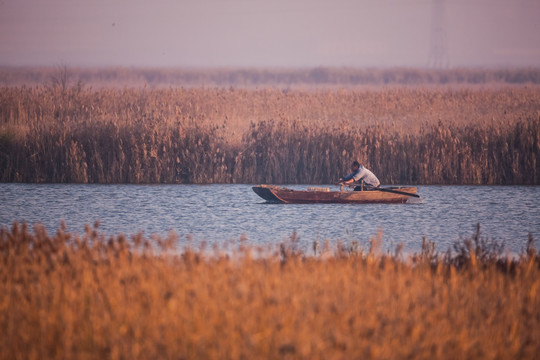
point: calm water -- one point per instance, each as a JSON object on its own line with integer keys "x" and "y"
{"x": 219, "y": 213}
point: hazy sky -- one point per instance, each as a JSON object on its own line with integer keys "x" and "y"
{"x": 274, "y": 33}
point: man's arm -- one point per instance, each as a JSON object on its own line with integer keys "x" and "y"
{"x": 347, "y": 179}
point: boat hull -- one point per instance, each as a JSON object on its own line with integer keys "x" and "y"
{"x": 278, "y": 194}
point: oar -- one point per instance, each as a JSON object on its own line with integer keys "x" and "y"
{"x": 385, "y": 190}
{"x": 396, "y": 192}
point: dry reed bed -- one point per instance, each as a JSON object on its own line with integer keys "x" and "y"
{"x": 418, "y": 136}
{"x": 88, "y": 296}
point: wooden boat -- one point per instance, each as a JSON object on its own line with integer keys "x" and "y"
{"x": 389, "y": 195}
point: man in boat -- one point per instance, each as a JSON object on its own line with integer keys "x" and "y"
{"x": 360, "y": 173}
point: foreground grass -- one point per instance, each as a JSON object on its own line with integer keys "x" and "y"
{"x": 88, "y": 296}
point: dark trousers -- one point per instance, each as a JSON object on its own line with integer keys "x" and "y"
{"x": 365, "y": 187}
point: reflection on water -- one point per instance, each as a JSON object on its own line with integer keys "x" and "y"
{"x": 219, "y": 213}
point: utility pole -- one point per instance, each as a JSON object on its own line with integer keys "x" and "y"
{"x": 438, "y": 55}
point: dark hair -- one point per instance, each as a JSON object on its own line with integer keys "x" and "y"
{"x": 356, "y": 163}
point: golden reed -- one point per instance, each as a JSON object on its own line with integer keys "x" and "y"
{"x": 405, "y": 135}
{"x": 67, "y": 296}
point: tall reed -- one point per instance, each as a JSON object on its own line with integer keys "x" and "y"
{"x": 88, "y": 296}
{"x": 413, "y": 136}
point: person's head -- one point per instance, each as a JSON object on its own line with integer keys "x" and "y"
{"x": 355, "y": 165}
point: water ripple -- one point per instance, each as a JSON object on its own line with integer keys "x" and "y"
{"x": 218, "y": 213}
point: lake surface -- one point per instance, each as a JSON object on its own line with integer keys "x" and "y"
{"x": 221, "y": 213}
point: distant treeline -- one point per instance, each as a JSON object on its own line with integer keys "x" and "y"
{"x": 321, "y": 76}
{"x": 158, "y": 136}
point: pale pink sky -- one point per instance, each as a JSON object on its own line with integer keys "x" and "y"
{"x": 265, "y": 33}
